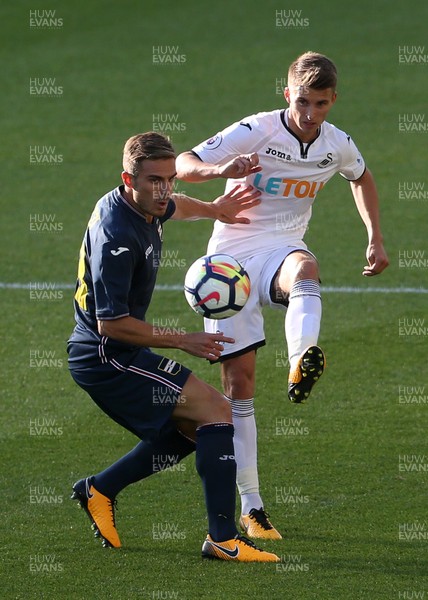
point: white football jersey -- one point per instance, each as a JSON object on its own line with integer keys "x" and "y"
{"x": 292, "y": 175}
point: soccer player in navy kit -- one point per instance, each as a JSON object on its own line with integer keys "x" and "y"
{"x": 110, "y": 356}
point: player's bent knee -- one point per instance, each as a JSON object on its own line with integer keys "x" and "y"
{"x": 221, "y": 408}
{"x": 296, "y": 267}
{"x": 218, "y": 409}
{"x": 308, "y": 269}
{"x": 239, "y": 388}
{"x": 202, "y": 404}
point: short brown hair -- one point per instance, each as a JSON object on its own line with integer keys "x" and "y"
{"x": 145, "y": 146}
{"x": 313, "y": 70}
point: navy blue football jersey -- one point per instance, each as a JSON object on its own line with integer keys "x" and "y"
{"x": 118, "y": 263}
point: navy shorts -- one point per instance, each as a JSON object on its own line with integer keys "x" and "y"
{"x": 138, "y": 389}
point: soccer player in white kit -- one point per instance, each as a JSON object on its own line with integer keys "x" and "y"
{"x": 289, "y": 155}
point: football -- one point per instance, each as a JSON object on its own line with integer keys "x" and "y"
{"x": 217, "y": 286}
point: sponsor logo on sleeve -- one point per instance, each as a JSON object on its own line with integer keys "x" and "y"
{"x": 169, "y": 366}
{"x": 213, "y": 142}
{"x": 120, "y": 250}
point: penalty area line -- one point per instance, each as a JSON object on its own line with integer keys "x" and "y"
{"x": 49, "y": 285}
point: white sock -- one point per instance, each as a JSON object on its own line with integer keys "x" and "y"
{"x": 245, "y": 444}
{"x": 303, "y": 318}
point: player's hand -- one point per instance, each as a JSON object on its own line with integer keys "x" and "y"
{"x": 377, "y": 259}
{"x": 237, "y": 200}
{"x": 240, "y": 166}
{"x": 204, "y": 345}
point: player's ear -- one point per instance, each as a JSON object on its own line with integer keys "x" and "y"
{"x": 127, "y": 179}
{"x": 287, "y": 94}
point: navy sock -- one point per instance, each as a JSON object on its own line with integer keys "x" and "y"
{"x": 215, "y": 463}
{"x": 143, "y": 460}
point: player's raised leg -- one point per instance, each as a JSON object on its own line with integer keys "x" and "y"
{"x": 298, "y": 284}
{"x": 238, "y": 376}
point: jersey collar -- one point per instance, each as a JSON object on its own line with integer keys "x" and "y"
{"x": 303, "y": 149}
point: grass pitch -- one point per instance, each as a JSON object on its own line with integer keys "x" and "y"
{"x": 343, "y": 477}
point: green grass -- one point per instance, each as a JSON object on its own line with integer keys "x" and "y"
{"x": 343, "y": 533}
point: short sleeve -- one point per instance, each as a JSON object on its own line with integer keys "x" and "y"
{"x": 241, "y": 137}
{"x": 352, "y": 163}
{"x": 112, "y": 267}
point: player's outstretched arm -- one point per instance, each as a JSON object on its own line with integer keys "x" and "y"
{"x": 224, "y": 208}
{"x": 367, "y": 202}
{"x": 139, "y": 333}
{"x": 191, "y": 168}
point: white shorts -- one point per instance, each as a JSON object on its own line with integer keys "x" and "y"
{"x": 247, "y": 326}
